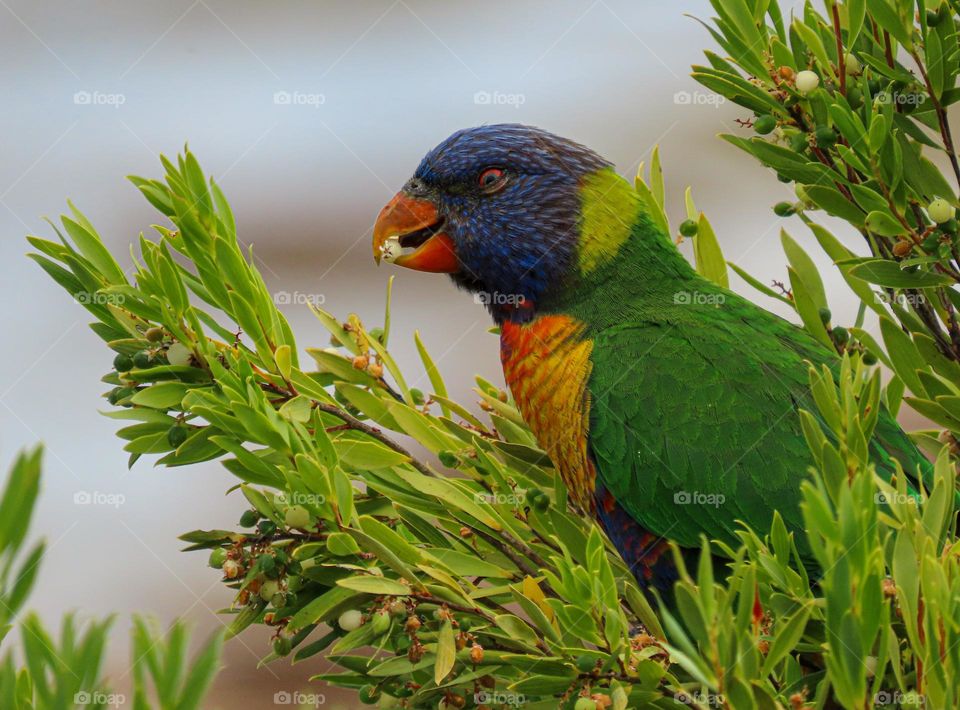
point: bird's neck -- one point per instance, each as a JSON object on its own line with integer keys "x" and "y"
{"x": 621, "y": 256}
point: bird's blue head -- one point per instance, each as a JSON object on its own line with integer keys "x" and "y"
{"x": 499, "y": 208}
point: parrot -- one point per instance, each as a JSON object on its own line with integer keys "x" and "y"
{"x": 667, "y": 403}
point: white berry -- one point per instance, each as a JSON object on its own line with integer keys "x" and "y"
{"x": 940, "y": 210}
{"x": 178, "y": 354}
{"x": 390, "y": 249}
{"x": 350, "y": 620}
{"x": 807, "y": 81}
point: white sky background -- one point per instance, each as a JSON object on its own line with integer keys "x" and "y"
{"x": 306, "y": 183}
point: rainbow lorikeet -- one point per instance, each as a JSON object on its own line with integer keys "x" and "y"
{"x": 667, "y": 403}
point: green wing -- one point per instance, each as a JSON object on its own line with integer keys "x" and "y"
{"x": 694, "y": 424}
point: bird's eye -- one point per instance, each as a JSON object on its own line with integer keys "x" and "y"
{"x": 490, "y": 178}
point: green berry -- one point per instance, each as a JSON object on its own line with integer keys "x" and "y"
{"x": 851, "y": 64}
{"x": 784, "y": 209}
{"x": 933, "y": 18}
{"x": 585, "y": 704}
{"x": 931, "y": 242}
{"x": 296, "y": 516}
{"x": 294, "y": 584}
{"x": 176, "y": 435}
{"x": 541, "y": 502}
{"x": 940, "y": 210}
{"x": 142, "y": 359}
{"x": 368, "y": 694}
{"x": 950, "y": 226}
{"x": 375, "y": 333}
{"x": 688, "y": 227}
{"x": 267, "y": 527}
{"x": 380, "y": 622}
{"x": 417, "y": 396}
{"x": 448, "y": 459}
{"x": 269, "y": 589}
{"x": 217, "y": 557}
{"x": 799, "y": 142}
{"x": 764, "y": 124}
{"x": 282, "y": 645}
{"x": 825, "y": 136}
{"x": 249, "y": 518}
{"x": 869, "y": 358}
{"x": 122, "y": 363}
{"x": 825, "y": 315}
{"x": 266, "y": 562}
{"x": 854, "y": 97}
{"x": 154, "y": 335}
{"x": 841, "y": 335}
{"x": 586, "y": 663}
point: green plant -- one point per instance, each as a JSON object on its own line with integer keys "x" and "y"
{"x": 462, "y": 578}
{"x": 66, "y": 671}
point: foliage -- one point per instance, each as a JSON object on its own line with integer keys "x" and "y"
{"x": 66, "y": 671}
{"x": 461, "y": 577}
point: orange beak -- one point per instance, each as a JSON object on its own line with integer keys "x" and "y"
{"x": 409, "y": 233}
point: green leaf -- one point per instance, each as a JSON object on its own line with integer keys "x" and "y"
{"x": 446, "y": 652}
{"x": 888, "y": 273}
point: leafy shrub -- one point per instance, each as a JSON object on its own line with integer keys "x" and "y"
{"x": 461, "y": 578}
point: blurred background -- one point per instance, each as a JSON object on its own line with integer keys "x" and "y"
{"x": 310, "y": 115}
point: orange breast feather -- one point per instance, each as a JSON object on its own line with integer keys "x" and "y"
{"x": 546, "y": 364}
